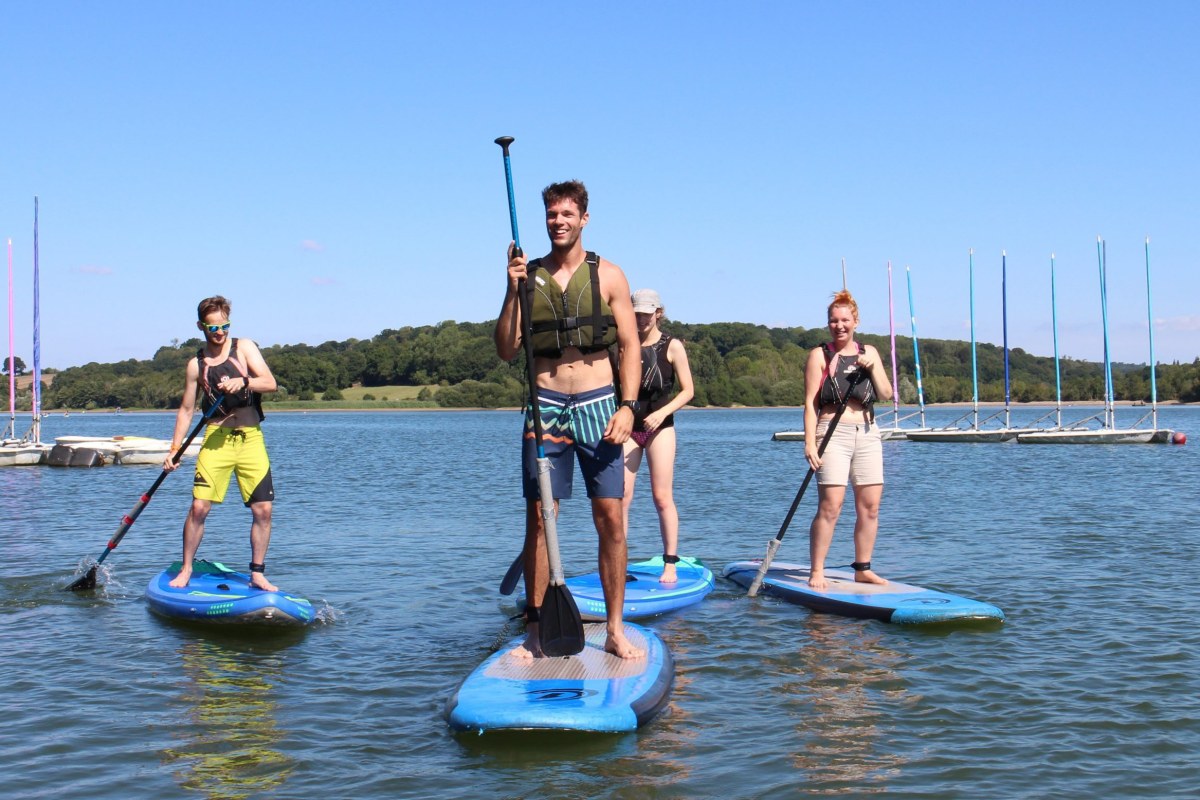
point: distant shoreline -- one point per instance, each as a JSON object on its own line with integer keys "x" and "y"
{"x": 879, "y": 408}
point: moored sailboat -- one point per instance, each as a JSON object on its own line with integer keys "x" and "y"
{"x": 976, "y": 433}
{"x": 1082, "y": 432}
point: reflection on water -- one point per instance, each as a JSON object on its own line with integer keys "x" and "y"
{"x": 228, "y": 735}
{"x": 847, "y": 681}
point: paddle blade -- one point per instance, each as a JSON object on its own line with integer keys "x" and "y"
{"x": 88, "y": 581}
{"x": 772, "y": 549}
{"x": 513, "y": 575}
{"x": 561, "y": 631}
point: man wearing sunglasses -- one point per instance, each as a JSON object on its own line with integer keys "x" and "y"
{"x": 230, "y": 371}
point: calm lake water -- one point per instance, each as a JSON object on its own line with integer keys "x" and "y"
{"x": 400, "y": 526}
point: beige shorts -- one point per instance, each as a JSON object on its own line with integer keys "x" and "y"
{"x": 854, "y": 454}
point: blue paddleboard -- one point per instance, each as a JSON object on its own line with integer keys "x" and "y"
{"x": 645, "y": 595}
{"x": 591, "y": 691}
{"x": 216, "y": 593}
{"x": 890, "y": 602}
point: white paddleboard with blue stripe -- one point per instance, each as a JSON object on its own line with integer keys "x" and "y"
{"x": 890, "y": 602}
{"x": 590, "y": 691}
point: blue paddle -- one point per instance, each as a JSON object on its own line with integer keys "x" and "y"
{"x": 561, "y": 628}
{"x": 88, "y": 580}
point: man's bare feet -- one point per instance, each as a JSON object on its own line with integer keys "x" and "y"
{"x": 867, "y": 576}
{"x": 816, "y": 580}
{"x": 181, "y": 580}
{"x": 532, "y": 647}
{"x": 668, "y": 574}
{"x": 619, "y": 646}
{"x": 259, "y": 581}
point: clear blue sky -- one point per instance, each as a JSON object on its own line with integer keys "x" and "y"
{"x": 330, "y": 166}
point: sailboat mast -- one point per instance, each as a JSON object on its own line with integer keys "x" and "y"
{"x": 12, "y": 358}
{"x": 1054, "y": 326}
{"x": 1102, "y": 256}
{"x": 912, "y": 316}
{"x": 1004, "y": 329}
{"x": 1150, "y": 327}
{"x": 36, "y": 429}
{"x": 892, "y": 329}
{"x": 974, "y": 363}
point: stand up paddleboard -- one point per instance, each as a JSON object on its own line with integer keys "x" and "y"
{"x": 645, "y": 595}
{"x": 591, "y": 691}
{"x": 890, "y": 602}
{"x": 218, "y": 594}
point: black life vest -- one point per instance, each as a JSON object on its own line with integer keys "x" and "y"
{"x": 231, "y": 367}
{"x": 574, "y": 317}
{"x": 838, "y": 370}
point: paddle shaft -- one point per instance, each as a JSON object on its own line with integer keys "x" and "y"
{"x": 773, "y": 546}
{"x": 128, "y": 520}
{"x": 545, "y": 492}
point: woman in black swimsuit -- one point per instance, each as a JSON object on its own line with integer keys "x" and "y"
{"x": 664, "y": 362}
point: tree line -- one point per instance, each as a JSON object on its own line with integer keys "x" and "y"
{"x": 733, "y": 363}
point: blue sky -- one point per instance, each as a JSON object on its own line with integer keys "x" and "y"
{"x": 330, "y": 166}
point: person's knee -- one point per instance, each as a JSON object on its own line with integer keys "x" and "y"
{"x": 199, "y": 510}
{"x": 261, "y": 512}
{"x": 829, "y": 509}
{"x": 664, "y": 500}
{"x": 610, "y": 520}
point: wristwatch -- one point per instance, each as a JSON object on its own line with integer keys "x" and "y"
{"x": 632, "y": 405}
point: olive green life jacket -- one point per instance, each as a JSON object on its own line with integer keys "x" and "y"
{"x": 577, "y": 317}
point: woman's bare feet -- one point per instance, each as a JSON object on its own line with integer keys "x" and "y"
{"x": 816, "y": 580}
{"x": 668, "y": 574}
{"x": 867, "y": 576}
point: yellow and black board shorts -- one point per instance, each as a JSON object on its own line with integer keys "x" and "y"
{"x": 229, "y": 450}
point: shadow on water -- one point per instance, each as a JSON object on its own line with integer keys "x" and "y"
{"x": 226, "y": 745}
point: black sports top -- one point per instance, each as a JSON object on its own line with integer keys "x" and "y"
{"x": 213, "y": 374}
{"x": 658, "y": 379}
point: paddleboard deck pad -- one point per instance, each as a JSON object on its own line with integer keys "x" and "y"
{"x": 645, "y": 595}
{"x": 218, "y": 594}
{"x": 890, "y": 602}
{"x": 590, "y": 691}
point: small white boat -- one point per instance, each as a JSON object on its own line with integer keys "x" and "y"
{"x": 22, "y": 454}
{"x": 899, "y": 433}
{"x": 1097, "y": 436}
{"x": 150, "y": 451}
{"x": 970, "y": 434}
{"x": 130, "y": 450}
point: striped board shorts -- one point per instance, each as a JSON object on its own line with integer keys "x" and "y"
{"x": 573, "y": 425}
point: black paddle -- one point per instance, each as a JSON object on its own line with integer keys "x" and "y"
{"x": 773, "y": 547}
{"x": 561, "y": 629}
{"x": 513, "y": 575}
{"x": 88, "y": 581}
